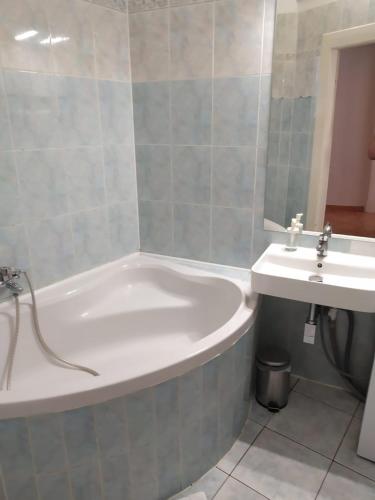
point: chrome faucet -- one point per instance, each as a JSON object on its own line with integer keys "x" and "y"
{"x": 8, "y": 279}
{"x": 322, "y": 246}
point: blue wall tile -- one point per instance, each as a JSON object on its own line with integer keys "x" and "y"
{"x": 236, "y": 111}
{"x": 10, "y": 203}
{"x": 155, "y": 226}
{"x": 300, "y": 150}
{"x": 120, "y": 175}
{"x": 52, "y": 251}
{"x": 111, "y": 427}
{"x": 191, "y": 231}
{"x": 116, "y": 112}
{"x": 80, "y": 439}
{"x": 78, "y": 111}
{"x": 140, "y": 411}
{"x": 34, "y": 110}
{"x": 151, "y": 112}
{"x": 123, "y": 228}
{"x": 116, "y": 481}
{"x": 190, "y": 388}
{"x": 85, "y": 178}
{"x": 233, "y": 177}
{"x": 54, "y": 486}
{"x": 191, "y": 174}
{"x": 13, "y": 246}
{"x": 43, "y": 184}
{"x": 5, "y": 138}
{"x": 47, "y": 443}
{"x": 21, "y": 486}
{"x": 15, "y": 454}
{"x": 91, "y": 238}
{"x": 191, "y": 111}
{"x": 85, "y": 481}
{"x": 231, "y": 236}
{"x": 154, "y": 173}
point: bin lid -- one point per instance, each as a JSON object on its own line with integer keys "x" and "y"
{"x": 273, "y": 356}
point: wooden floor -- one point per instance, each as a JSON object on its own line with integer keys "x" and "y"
{"x": 351, "y": 220}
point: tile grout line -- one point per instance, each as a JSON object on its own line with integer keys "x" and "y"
{"x": 133, "y": 126}
{"x": 297, "y": 442}
{"x": 324, "y": 479}
{"x": 212, "y": 132}
{"x": 324, "y": 402}
{"x": 170, "y": 134}
{"x": 253, "y": 204}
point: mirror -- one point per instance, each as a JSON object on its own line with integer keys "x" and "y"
{"x": 321, "y": 141}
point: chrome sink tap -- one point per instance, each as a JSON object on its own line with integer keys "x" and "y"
{"x": 8, "y": 279}
{"x": 322, "y": 246}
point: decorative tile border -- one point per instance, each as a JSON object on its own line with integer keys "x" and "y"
{"x": 111, "y": 4}
{"x": 145, "y": 5}
{"x": 148, "y": 445}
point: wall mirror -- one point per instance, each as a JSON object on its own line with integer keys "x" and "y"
{"x": 321, "y": 143}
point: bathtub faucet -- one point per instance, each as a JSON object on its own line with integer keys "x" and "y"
{"x": 8, "y": 279}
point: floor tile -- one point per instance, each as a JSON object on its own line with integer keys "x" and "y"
{"x": 311, "y": 423}
{"x": 293, "y": 381}
{"x": 234, "y": 490}
{"x": 347, "y": 454}
{"x": 208, "y": 484}
{"x": 240, "y": 447}
{"x": 338, "y": 398}
{"x": 359, "y": 411}
{"x": 258, "y": 413}
{"x": 344, "y": 484}
{"x": 281, "y": 469}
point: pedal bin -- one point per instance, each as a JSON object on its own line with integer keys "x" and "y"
{"x": 272, "y": 378}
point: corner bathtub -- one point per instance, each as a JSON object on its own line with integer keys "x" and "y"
{"x": 172, "y": 343}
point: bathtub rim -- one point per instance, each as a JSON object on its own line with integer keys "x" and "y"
{"x": 12, "y": 407}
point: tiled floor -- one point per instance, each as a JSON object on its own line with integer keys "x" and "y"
{"x": 305, "y": 452}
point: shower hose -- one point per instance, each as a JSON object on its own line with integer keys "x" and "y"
{"x": 328, "y": 326}
{"x": 43, "y": 344}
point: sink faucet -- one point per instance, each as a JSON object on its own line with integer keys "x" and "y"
{"x": 322, "y": 246}
{"x": 8, "y": 279}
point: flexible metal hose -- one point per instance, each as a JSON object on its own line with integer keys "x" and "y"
{"x": 336, "y": 363}
{"x": 43, "y": 343}
{"x": 13, "y": 345}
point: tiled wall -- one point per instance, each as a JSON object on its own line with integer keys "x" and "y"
{"x": 200, "y": 91}
{"x": 146, "y": 446}
{"x": 68, "y": 194}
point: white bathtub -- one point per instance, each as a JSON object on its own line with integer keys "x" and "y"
{"x": 138, "y": 321}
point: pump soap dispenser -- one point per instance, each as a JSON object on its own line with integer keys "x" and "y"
{"x": 295, "y": 228}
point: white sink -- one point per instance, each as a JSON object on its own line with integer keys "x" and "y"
{"x": 348, "y": 281}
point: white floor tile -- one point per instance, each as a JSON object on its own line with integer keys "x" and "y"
{"x": 234, "y": 490}
{"x": 347, "y": 454}
{"x": 311, "y": 423}
{"x": 344, "y": 484}
{"x": 209, "y": 484}
{"x": 234, "y": 455}
{"x": 338, "y": 398}
{"x": 280, "y": 469}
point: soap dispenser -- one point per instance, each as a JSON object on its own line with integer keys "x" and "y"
{"x": 295, "y": 228}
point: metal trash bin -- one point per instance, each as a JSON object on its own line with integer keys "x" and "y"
{"x": 272, "y": 378}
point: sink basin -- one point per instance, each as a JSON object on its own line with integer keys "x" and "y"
{"x": 340, "y": 280}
